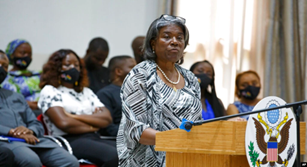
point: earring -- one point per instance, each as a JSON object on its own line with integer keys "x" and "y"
{"x": 59, "y": 81}
{"x": 153, "y": 51}
{"x": 76, "y": 83}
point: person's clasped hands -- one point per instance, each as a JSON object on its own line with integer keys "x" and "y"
{"x": 24, "y": 133}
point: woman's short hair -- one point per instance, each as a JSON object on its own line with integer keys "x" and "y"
{"x": 238, "y": 77}
{"x": 52, "y": 71}
{"x": 153, "y": 33}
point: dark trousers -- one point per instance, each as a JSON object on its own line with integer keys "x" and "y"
{"x": 91, "y": 147}
{"x": 6, "y": 157}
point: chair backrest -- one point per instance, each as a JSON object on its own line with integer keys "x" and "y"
{"x": 41, "y": 119}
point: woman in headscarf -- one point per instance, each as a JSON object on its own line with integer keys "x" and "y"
{"x": 19, "y": 78}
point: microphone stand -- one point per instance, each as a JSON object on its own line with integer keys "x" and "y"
{"x": 296, "y": 106}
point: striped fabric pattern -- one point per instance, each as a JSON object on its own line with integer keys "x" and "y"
{"x": 148, "y": 102}
{"x": 272, "y": 154}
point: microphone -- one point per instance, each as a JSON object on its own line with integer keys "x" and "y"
{"x": 186, "y": 125}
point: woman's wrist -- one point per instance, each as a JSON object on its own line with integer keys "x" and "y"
{"x": 94, "y": 129}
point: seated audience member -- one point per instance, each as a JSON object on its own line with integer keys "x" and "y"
{"x": 212, "y": 106}
{"x": 137, "y": 45}
{"x": 96, "y": 55}
{"x": 247, "y": 89}
{"x": 73, "y": 111}
{"x": 18, "y": 121}
{"x": 6, "y": 157}
{"x": 20, "y": 79}
{"x": 119, "y": 67}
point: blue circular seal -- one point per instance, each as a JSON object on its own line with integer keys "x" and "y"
{"x": 273, "y": 115}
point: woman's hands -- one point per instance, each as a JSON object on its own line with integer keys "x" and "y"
{"x": 98, "y": 110}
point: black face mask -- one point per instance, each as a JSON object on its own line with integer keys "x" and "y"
{"x": 70, "y": 76}
{"x": 250, "y": 92}
{"x": 203, "y": 80}
{"x": 3, "y": 74}
{"x": 22, "y": 62}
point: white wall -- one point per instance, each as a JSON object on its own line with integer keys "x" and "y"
{"x": 51, "y": 25}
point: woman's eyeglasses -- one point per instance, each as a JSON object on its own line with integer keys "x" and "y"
{"x": 172, "y": 18}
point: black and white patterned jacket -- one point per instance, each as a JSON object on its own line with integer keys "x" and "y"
{"x": 148, "y": 102}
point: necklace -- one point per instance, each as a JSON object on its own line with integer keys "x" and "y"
{"x": 174, "y": 83}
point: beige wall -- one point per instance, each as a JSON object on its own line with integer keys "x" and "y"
{"x": 51, "y": 25}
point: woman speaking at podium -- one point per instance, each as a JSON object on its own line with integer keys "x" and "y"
{"x": 157, "y": 94}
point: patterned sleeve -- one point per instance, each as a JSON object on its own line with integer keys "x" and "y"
{"x": 134, "y": 108}
{"x": 93, "y": 98}
{"x": 49, "y": 97}
{"x": 197, "y": 87}
{"x": 194, "y": 83}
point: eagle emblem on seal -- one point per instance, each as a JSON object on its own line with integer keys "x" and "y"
{"x": 272, "y": 148}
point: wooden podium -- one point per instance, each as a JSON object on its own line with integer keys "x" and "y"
{"x": 216, "y": 144}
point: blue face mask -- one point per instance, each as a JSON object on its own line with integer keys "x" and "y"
{"x": 3, "y": 74}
